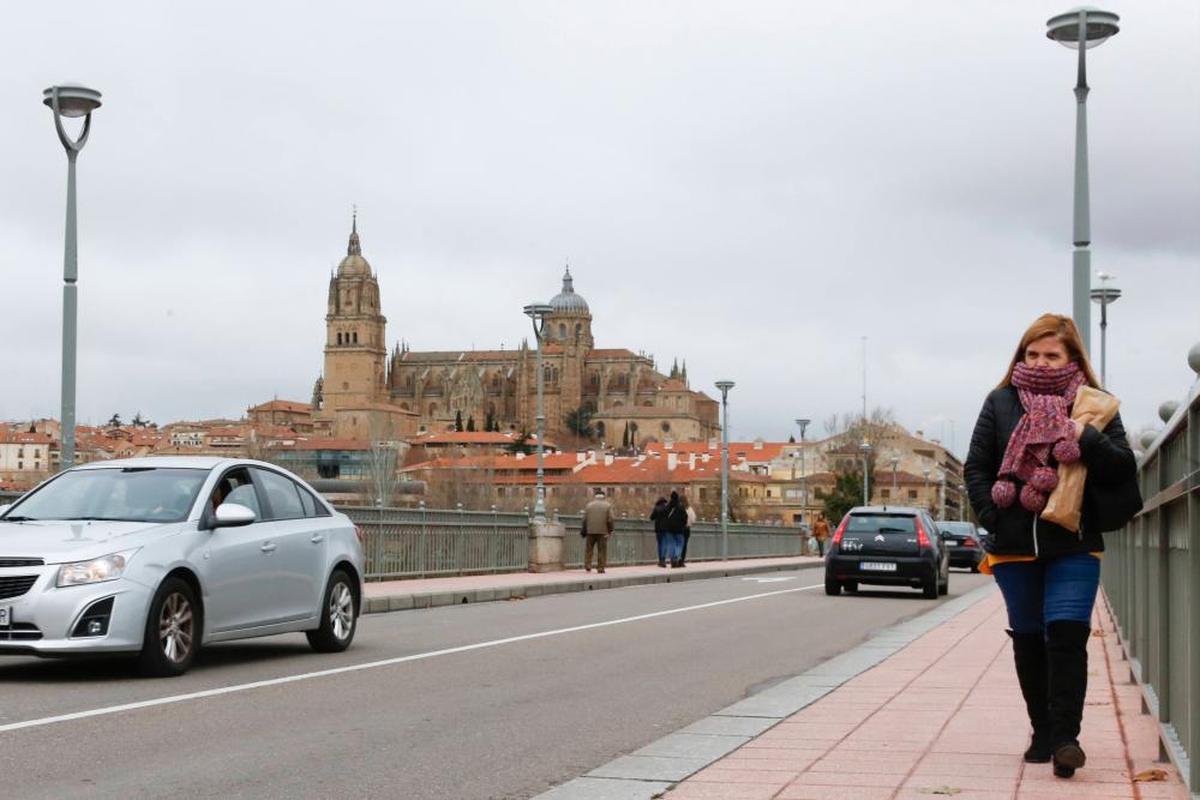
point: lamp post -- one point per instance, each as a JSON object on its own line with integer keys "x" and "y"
{"x": 942, "y": 493}
{"x": 70, "y": 100}
{"x": 1082, "y": 28}
{"x": 928, "y": 503}
{"x": 537, "y": 313}
{"x": 803, "y": 424}
{"x": 865, "y": 449}
{"x": 895, "y": 463}
{"x": 724, "y": 387}
{"x": 1104, "y": 295}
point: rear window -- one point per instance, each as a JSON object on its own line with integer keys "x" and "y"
{"x": 959, "y": 528}
{"x": 881, "y": 523}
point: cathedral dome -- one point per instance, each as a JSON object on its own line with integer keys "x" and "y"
{"x": 566, "y": 301}
{"x": 354, "y": 265}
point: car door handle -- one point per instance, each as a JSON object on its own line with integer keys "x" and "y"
{"x": 317, "y": 538}
{"x": 269, "y": 547}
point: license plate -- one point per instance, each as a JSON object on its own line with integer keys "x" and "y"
{"x": 5, "y": 617}
{"x": 876, "y": 566}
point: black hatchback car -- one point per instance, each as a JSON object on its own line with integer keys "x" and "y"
{"x": 887, "y": 546}
{"x": 965, "y": 543}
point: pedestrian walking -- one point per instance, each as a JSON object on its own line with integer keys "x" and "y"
{"x": 658, "y": 515}
{"x": 676, "y": 523}
{"x": 1048, "y": 572}
{"x": 597, "y": 527}
{"x": 820, "y": 532}
{"x": 687, "y": 530}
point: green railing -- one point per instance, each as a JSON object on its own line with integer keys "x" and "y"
{"x": 1152, "y": 579}
{"x": 633, "y": 542}
{"x": 8, "y": 497}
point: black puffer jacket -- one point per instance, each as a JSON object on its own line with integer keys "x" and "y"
{"x": 1110, "y": 494}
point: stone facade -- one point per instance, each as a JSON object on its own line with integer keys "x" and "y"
{"x": 415, "y": 392}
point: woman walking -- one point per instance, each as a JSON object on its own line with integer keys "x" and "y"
{"x": 1047, "y": 573}
{"x": 676, "y": 524}
{"x": 687, "y": 528}
{"x": 658, "y": 515}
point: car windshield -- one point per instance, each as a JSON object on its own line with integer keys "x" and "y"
{"x": 880, "y": 523}
{"x": 957, "y": 528}
{"x": 133, "y": 494}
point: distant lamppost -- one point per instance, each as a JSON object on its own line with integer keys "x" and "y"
{"x": 803, "y": 424}
{"x": 865, "y": 449}
{"x": 1104, "y": 295}
{"x": 70, "y": 100}
{"x": 962, "y": 501}
{"x": 724, "y": 387}
{"x": 942, "y": 492}
{"x": 537, "y": 313}
{"x": 1082, "y": 28}
{"x": 928, "y": 501}
{"x": 895, "y": 463}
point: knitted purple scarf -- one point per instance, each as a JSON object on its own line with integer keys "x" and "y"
{"x": 1045, "y": 430}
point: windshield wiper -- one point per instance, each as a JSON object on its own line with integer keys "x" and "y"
{"x": 97, "y": 519}
{"x": 15, "y": 519}
{"x": 894, "y": 530}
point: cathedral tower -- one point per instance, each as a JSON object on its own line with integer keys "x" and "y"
{"x": 355, "y": 352}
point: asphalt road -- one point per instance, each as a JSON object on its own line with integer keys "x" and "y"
{"x": 497, "y": 719}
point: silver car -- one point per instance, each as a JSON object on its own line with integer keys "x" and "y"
{"x": 157, "y": 556}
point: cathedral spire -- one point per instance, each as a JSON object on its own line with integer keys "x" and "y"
{"x": 355, "y": 247}
{"x": 568, "y": 281}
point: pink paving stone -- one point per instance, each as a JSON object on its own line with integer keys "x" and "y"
{"x": 722, "y": 774}
{"x": 965, "y": 794}
{"x": 893, "y": 779}
{"x": 1086, "y": 775}
{"x": 836, "y": 793}
{"x": 722, "y": 791}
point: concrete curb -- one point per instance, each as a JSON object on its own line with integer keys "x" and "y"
{"x": 647, "y": 773}
{"x": 586, "y": 582}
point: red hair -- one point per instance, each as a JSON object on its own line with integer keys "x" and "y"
{"x": 1063, "y": 329}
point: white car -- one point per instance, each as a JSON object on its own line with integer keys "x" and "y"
{"x": 157, "y": 556}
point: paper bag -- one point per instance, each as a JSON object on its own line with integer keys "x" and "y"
{"x": 1092, "y": 407}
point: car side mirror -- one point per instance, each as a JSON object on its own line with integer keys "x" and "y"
{"x": 233, "y": 515}
{"x": 4, "y": 508}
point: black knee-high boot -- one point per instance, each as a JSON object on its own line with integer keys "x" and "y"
{"x": 1066, "y": 654}
{"x": 1029, "y": 654}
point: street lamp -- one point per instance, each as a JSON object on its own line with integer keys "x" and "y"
{"x": 1082, "y": 28}
{"x": 865, "y": 449}
{"x": 895, "y": 463}
{"x": 1104, "y": 295}
{"x": 942, "y": 492}
{"x": 803, "y": 423}
{"x": 928, "y": 503}
{"x": 724, "y": 387}
{"x": 537, "y": 313}
{"x": 70, "y": 100}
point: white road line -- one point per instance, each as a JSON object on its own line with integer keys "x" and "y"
{"x": 243, "y": 687}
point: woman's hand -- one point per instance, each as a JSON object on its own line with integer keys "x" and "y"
{"x": 1078, "y": 429}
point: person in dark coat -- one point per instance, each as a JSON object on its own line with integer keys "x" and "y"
{"x": 676, "y": 524}
{"x": 1048, "y": 574}
{"x": 658, "y": 515}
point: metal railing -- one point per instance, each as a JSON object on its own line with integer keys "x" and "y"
{"x": 9, "y": 497}
{"x": 417, "y": 543}
{"x": 1152, "y": 580}
{"x": 633, "y": 542}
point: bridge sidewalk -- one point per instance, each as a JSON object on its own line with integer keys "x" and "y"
{"x": 943, "y": 717}
{"x": 430, "y": 592}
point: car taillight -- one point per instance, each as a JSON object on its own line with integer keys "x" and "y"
{"x": 837, "y": 535}
{"x": 922, "y": 538}
{"x": 970, "y": 542}
{"x": 360, "y": 534}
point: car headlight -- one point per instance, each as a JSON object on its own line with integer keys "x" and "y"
{"x": 98, "y": 570}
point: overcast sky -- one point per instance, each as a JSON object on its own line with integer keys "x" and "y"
{"x": 751, "y": 186}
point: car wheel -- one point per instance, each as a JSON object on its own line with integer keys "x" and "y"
{"x": 339, "y": 616}
{"x": 944, "y": 586}
{"x": 930, "y": 587}
{"x": 832, "y": 587}
{"x": 975, "y": 567}
{"x": 850, "y": 586}
{"x": 172, "y": 634}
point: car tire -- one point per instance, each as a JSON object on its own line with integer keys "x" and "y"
{"x": 339, "y": 616}
{"x": 944, "y": 586}
{"x": 832, "y": 587}
{"x": 850, "y": 586}
{"x": 173, "y": 628}
{"x": 930, "y": 587}
{"x": 975, "y": 568}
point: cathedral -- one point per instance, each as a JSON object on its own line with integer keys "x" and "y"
{"x": 369, "y": 393}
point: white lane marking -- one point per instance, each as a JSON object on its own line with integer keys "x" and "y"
{"x": 242, "y": 687}
{"x": 770, "y": 580}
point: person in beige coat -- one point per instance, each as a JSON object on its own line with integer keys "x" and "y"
{"x": 597, "y": 527}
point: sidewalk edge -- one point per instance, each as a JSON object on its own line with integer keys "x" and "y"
{"x": 418, "y": 600}
{"x": 646, "y": 773}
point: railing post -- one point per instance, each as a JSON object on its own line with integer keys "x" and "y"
{"x": 460, "y": 543}
{"x": 1162, "y": 533}
{"x": 1192, "y": 432}
{"x": 422, "y": 541}
{"x": 493, "y": 543}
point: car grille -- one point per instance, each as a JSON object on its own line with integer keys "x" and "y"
{"x": 20, "y": 562}
{"x": 16, "y": 585}
{"x": 20, "y": 632}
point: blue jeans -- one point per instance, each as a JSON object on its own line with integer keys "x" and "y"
{"x": 1040, "y": 592}
{"x": 674, "y": 545}
{"x": 663, "y": 544}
